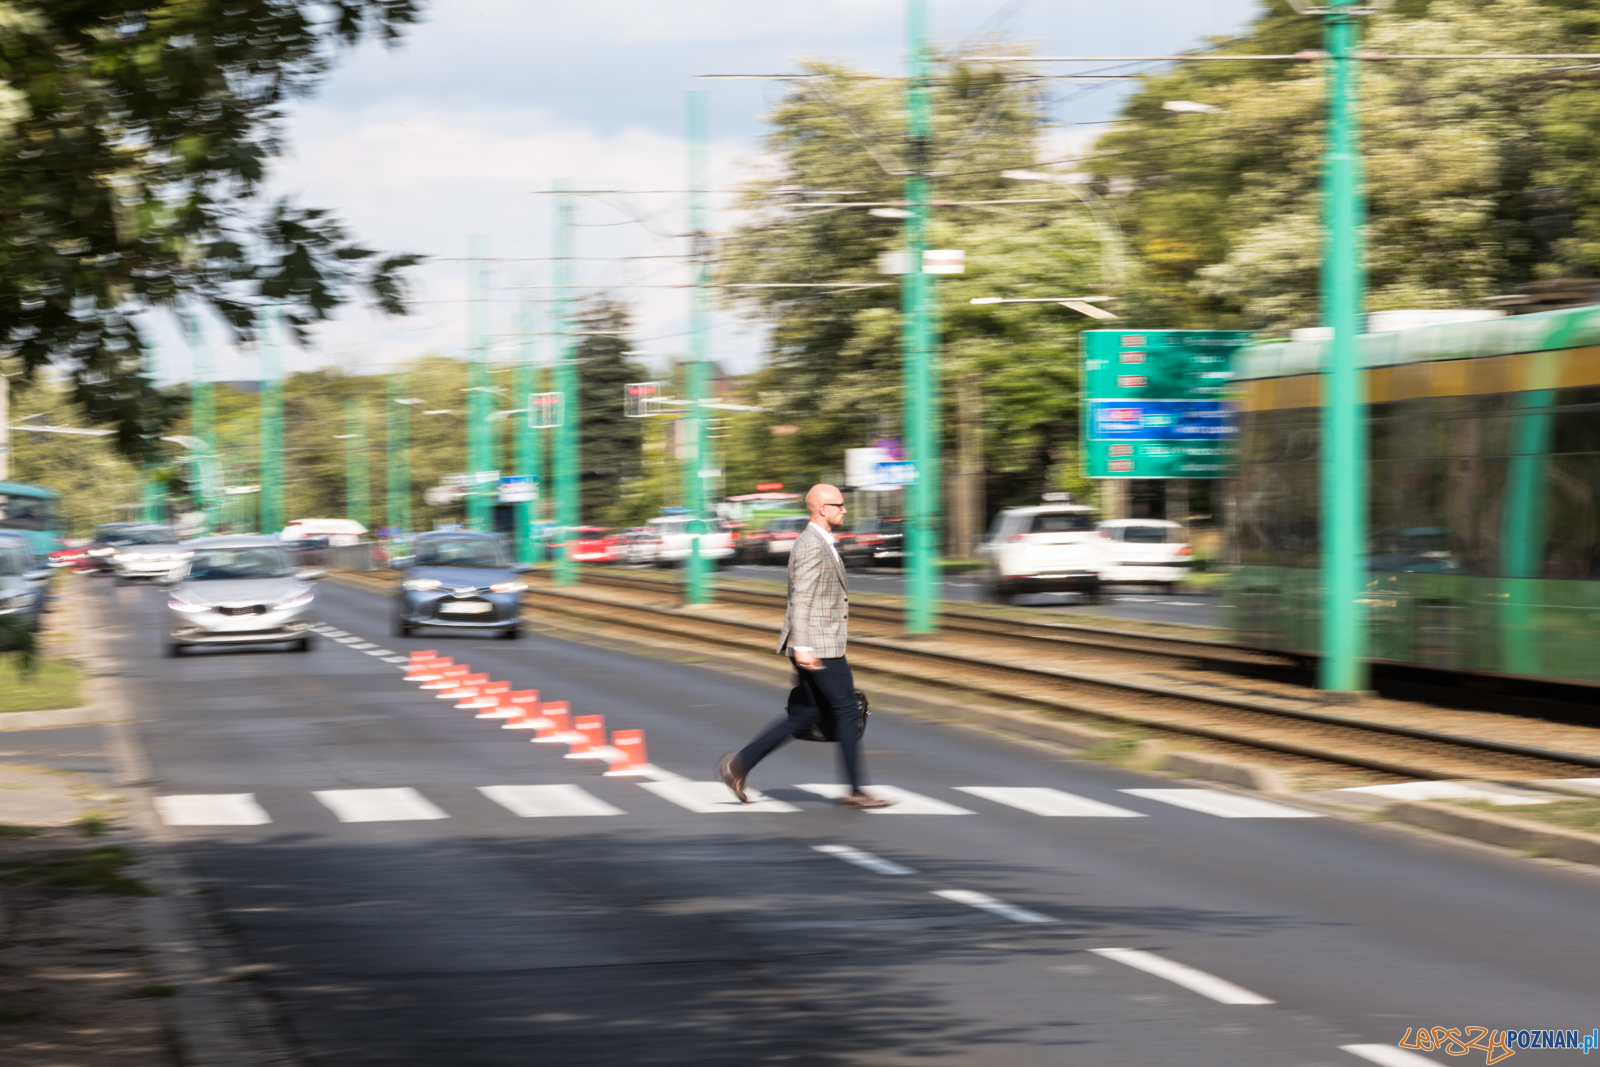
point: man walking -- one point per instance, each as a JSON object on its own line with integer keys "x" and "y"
{"x": 815, "y": 627}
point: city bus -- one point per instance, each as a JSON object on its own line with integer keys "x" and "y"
{"x": 34, "y": 512}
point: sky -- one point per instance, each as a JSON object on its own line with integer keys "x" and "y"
{"x": 463, "y": 127}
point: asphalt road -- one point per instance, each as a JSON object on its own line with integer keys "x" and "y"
{"x": 1121, "y": 602}
{"x": 449, "y": 930}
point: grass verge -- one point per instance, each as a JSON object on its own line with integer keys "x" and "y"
{"x": 99, "y": 869}
{"x": 52, "y": 683}
{"x": 1574, "y": 814}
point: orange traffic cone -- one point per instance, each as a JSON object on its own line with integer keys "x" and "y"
{"x": 525, "y": 710}
{"x": 466, "y": 685}
{"x": 558, "y": 730}
{"x": 588, "y": 737}
{"x": 488, "y": 702}
{"x": 629, "y": 755}
{"x": 450, "y": 676}
{"x": 417, "y": 669}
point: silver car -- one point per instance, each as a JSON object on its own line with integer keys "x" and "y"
{"x": 147, "y": 552}
{"x": 237, "y": 591}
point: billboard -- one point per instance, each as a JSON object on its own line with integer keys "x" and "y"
{"x": 1155, "y": 403}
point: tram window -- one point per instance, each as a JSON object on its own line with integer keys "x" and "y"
{"x": 24, "y": 512}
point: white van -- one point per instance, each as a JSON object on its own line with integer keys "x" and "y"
{"x": 1145, "y": 552}
{"x": 676, "y": 540}
{"x": 337, "y": 531}
{"x": 1053, "y": 548}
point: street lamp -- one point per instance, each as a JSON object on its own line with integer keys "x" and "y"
{"x": 1112, "y": 244}
{"x": 1343, "y": 668}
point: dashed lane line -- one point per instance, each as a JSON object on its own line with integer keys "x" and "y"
{"x": 1389, "y": 1056}
{"x": 1053, "y": 803}
{"x": 712, "y": 798}
{"x": 994, "y": 905}
{"x": 905, "y": 801}
{"x": 548, "y": 801}
{"x": 876, "y": 864}
{"x": 379, "y": 805}
{"x": 211, "y": 809}
{"x": 1222, "y": 805}
{"x": 1190, "y": 978}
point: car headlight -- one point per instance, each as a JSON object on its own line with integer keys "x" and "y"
{"x": 102, "y": 553}
{"x": 507, "y": 587}
{"x": 184, "y": 606}
{"x": 299, "y": 600}
{"x": 420, "y": 585}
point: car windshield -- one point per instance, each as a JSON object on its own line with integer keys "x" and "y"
{"x": 1145, "y": 535}
{"x": 1060, "y": 522}
{"x": 254, "y": 561}
{"x": 458, "y": 552}
{"x": 148, "y": 535}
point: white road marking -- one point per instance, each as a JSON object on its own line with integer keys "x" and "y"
{"x": 1049, "y": 802}
{"x": 379, "y": 805}
{"x": 547, "y": 801}
{"x": 211, "y": 809}
{"x": 1197, "y": 981}
{"x": 711, "y": 798}
{"x": 347, "y": 640}
{"x": 1389, "y": 1056}
{"x": 362, "y": 646}
{"x": 905, "y": 801}
{"x": 877, "y": 864}
{"x": 1447, "y": 791}
{"x": 379, "y": 652}
{"x": 331, "y": 632}
{"x": 398, "y": 659}
{"x": 984, "y": 902}
{"x": 1222, "y": 805}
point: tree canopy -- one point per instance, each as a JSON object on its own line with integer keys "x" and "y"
{"x": 133, "y": 140}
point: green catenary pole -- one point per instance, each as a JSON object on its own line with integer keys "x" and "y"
{"x": 567, "y": 484}
{"x": 479, "y": 398}
{"x": 1343, "y": 668}
{"x": 397, "y": 453}
{"x": 920, "y": 342}
{"x": 202, "y": 421}
{"x": 357, "y": 491}
{"x": 530, "y": 453}
{"x": 272, "y": 517}
{"x": 700, "y": 464}
{"x": 154, "y": 490}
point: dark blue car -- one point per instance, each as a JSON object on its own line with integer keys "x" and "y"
{"x": 459, "y": 581}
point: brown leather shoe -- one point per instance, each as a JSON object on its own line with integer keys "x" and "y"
{"x": 864, "y": 801}
{"x": 732, "y": 774}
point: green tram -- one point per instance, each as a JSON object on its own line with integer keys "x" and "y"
{"x": 1484, "y": 552}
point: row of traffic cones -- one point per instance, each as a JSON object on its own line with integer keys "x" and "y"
{"x": 552, "y": 721}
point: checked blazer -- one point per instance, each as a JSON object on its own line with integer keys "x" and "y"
{"x": 818, "y": 615}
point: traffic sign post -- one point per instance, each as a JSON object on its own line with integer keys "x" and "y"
{"x": 1155, "y": 403}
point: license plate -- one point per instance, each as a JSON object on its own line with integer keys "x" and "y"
{"x": 466, "y": 608}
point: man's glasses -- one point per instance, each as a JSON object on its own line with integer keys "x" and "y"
{"x": 839, "y": 506}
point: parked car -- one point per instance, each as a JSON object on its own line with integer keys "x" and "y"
{"x": 239, "y": 590}
{"x": 588, "y": 544}
{"x": 74, "y": 556}
{"x": 148, "y": 552}
{"x": 873, "y": 543}
{"x": 779, "y": 538}
{"x": 461, "y": 581}
{"x": 107, "y": 539}
{"x": 338, "y": 532}
{"x": 641, "y": 545}
{"x": 22, "y": 584}
{"x": 1052, "y": 548}
{"x": 679, "y": 534}
{"x": 1145, "y": 552}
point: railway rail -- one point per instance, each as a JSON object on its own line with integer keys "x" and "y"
{"x": 976, "y": 660}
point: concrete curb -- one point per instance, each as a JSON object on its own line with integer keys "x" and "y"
{"x": 1507, "y": 831}
{"x": 1254, "y": 776}
{"x": 50, "y": 719}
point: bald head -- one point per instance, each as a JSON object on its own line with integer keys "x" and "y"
{"x": 826, "y": 505}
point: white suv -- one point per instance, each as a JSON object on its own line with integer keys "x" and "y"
{"x": 1053, "y": 548}
{"x": 1146, "y": 552}
{"x": 678, "y": 537}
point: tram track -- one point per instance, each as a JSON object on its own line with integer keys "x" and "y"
{"x": 987, "y": 658}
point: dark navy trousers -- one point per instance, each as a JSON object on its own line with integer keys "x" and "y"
{"x": 829, "y": 693}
